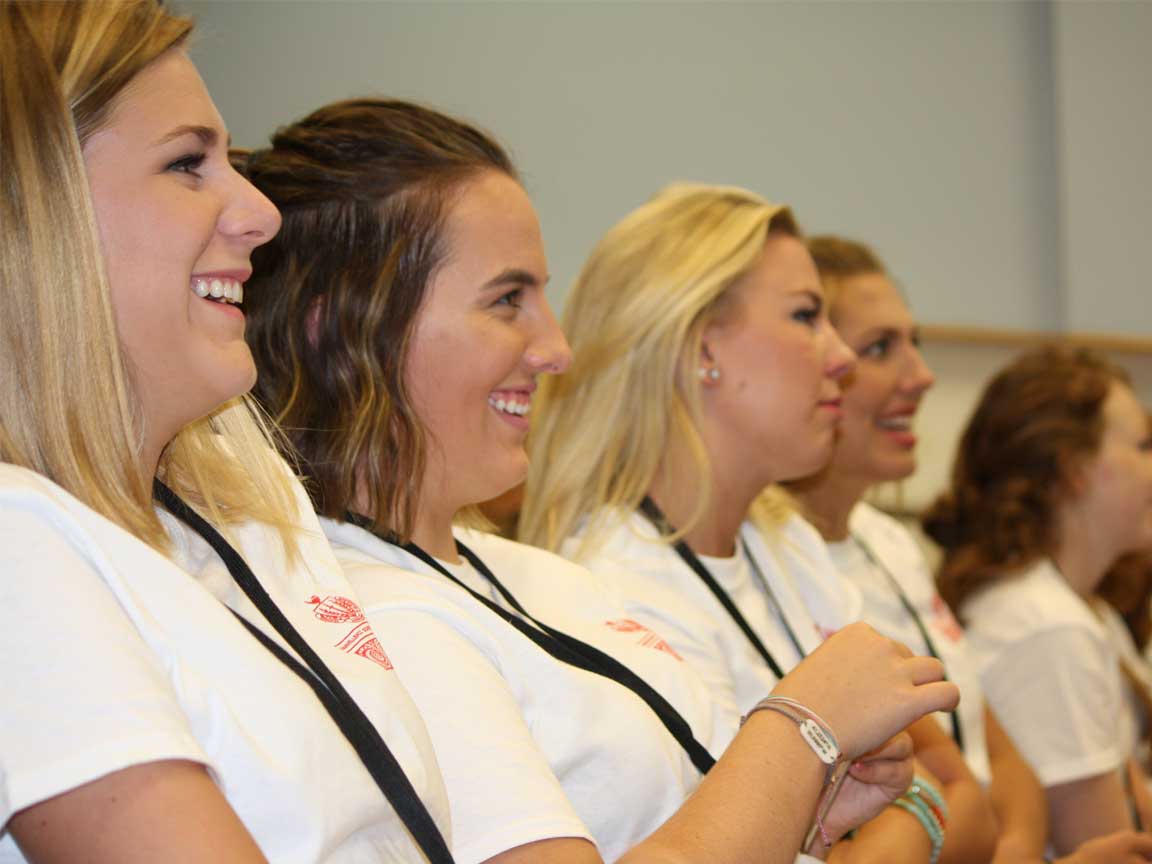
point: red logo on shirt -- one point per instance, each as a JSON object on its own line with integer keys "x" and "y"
{"x": 649, "y": 638}
{"x": 945, "y": 621}
{"x": 360, "y": 640}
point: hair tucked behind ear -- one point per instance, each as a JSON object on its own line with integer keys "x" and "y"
{"x": 364, "y": 187}
{"x": 1037, "y": 421}
{"x": 635, "y": 319}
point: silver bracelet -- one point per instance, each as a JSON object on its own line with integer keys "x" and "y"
{"x": 813, "y": 729}
{"x": 818, "y": 736}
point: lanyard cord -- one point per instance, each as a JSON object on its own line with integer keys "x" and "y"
{"x": 354, "y": 724}
{"x": 567, "y": 649}
{"x": 776, "y": 607}
{"x": 656, "y": 517}
{"x": 906, "y": 602}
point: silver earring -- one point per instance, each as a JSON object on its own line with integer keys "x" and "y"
{"x": 707, "y": 375}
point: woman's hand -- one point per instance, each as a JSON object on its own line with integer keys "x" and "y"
{"x": 867, "y": 687}
{"x": 874, "y": 781}
{"x": 1123, "y": 847}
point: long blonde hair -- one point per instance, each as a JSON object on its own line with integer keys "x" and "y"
{"x": 635, "y": 319}
{"x": 67, "y": 406}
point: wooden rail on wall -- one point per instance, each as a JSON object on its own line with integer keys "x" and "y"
{"x": 1109, "y": 342}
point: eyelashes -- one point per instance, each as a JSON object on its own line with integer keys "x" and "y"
{"x": 513, "y": 298}
{"x": 189, "y": 164}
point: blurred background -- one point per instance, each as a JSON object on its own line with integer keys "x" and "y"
{"x": 993, "y": 153}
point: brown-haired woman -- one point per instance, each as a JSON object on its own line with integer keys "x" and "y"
{"x": 1052, "y": 483}
{"x": 149, "y": 710}
{"x": 400, "y": 325}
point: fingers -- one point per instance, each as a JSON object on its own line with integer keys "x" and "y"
{"x": 924, "y": 670}
{"x": 894, "y": 775}
{"x": 899, "y": 746}
{"x": 939, "y": 696}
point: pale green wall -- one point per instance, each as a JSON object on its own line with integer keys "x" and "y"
{"x": 992, "y": 151}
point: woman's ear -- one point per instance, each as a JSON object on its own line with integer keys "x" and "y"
{"x": 1074, "y": 473}
{"x": 707, "y": 369}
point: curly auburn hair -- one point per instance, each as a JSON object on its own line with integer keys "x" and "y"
{"x": 1036, "y": 423}
{"x": 364, "y": 187}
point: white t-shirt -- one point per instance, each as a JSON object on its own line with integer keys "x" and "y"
{"x": 662, "y": 591}
{"x": 898, "y": 556}
{"x": 112, "y": 656}
{"x": 1051, "y": 674}
{"x": 530, "y": 747}
{"x": 1126, "y": 649}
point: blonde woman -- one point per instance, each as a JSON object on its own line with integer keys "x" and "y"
{"x": 706, "y": 370}
{"x": 151, "y": 714}
{"x": 400, "y": 325}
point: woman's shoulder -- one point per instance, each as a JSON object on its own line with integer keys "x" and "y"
{"x": 1033, "y": 600}
{"x": 34, "y": 510}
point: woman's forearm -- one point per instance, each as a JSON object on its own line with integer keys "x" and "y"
{"x": 1017, "y": 798}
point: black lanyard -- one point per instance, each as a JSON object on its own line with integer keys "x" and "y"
{"x": 877, "y": 563}
{"x": 656, "y": 517}
{"x": 567, "y": 649}
{"x": 357, "y": 728}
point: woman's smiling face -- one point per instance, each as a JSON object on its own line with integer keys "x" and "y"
{"x": 483, "y": 334}
{"x": 883, "y": 393}
{"x": 175, "y": 222}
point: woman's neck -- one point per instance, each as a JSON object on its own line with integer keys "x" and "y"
{"x": 1080, "y": 556}
{"x": 431, "y": 528}
{"x": 827, "y": 500}
{"x": 432, "y": 532}
{"x": 714, "y": 533}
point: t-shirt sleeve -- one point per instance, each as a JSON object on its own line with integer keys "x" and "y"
{"x": 1054, "y": 694}
{"x": 502, "y": 792}
{"x": 83, "y": 695}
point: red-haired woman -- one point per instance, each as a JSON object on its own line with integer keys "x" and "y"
{"x": 1052, "y": 483}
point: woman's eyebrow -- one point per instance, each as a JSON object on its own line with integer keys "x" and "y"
{"x": 207, "y": 135}
{"x": 512, "y": 276}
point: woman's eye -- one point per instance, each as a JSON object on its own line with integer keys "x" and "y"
{"x": 513, "y": 298}
{"x": 809, "y": 315}
{"x": 189, "y": 164}
{"x": 876, "y": 350}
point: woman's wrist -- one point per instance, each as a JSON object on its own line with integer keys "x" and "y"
{"x": 821, "y": 740}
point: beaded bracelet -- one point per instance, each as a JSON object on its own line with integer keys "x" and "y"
{"x": 925, "y": 802}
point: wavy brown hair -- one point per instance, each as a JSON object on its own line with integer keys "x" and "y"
{"x": 1036, "y": 423}
{"x": 364, "y": 187}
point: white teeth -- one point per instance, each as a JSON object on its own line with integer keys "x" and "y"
{"x": 509, "y": 407}
{"x": 895, "y": 423}
{"x": 225, "y": 290}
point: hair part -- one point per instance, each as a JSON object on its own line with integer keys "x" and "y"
{"x": 635, "y": 320}
{"x": 1036, "y": 424}
{"x": 365, "y": 187}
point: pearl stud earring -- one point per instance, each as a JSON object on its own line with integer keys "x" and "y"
{"x": 707, "y": 375}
